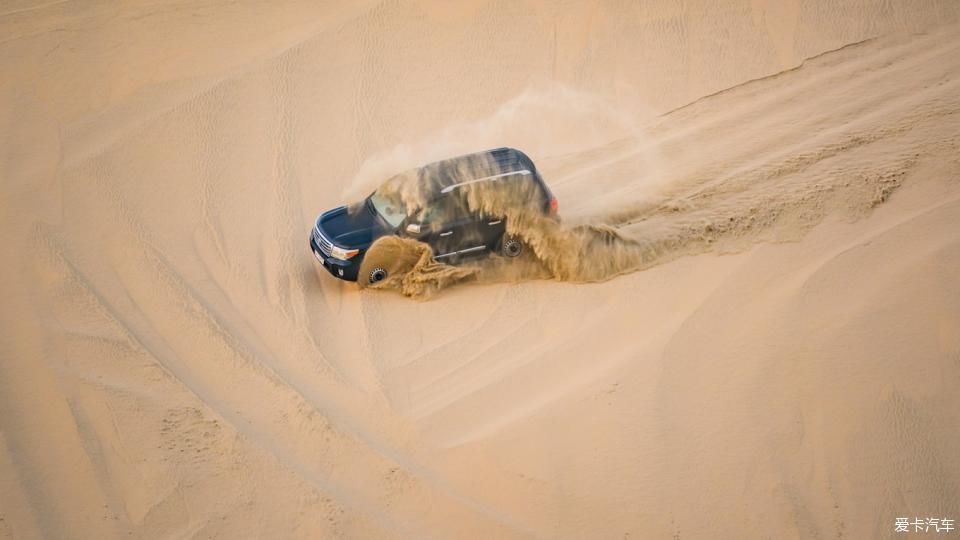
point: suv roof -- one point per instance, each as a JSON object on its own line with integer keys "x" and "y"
{"x": 442, "y": 177}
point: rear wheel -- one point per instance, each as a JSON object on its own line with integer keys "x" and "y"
{"x": 511, "y": 246}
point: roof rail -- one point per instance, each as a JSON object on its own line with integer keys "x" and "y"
{"x": 452, "y": 187}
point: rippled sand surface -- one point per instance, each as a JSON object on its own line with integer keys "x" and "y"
{"x": 747, "y": 324}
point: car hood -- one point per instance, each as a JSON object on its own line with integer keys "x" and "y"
{"x": 354, "y": 227}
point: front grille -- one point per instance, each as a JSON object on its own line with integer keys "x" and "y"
{"x": 325, "y": 245}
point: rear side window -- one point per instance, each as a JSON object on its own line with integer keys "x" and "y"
{"x": 524, "y": 188}
{"x": 511, "y": 190}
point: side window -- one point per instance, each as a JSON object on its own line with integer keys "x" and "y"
{"x": 433, "y": 213}
{"x": 443, "y": 211}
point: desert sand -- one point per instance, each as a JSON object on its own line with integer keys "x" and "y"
{"x": 771, "y": 350}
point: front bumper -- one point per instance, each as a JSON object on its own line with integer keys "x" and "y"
{"x": 339, "y": 269}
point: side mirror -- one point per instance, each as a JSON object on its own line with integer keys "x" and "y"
{"x": 413, "y": 228}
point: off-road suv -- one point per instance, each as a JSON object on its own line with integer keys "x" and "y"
{"x": 433, "y": 204}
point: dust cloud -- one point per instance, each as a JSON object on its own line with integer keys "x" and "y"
{"x": 602, "y": 240}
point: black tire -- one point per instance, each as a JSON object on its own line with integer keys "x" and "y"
{"x": 511, "y": 246}
{"x": 376, "y": 275}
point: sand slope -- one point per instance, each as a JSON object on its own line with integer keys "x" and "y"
{"x": 777, "y": 356}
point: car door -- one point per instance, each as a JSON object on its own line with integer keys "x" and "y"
{"x": 490, "y": 229}
{"x": 448, "y": 227}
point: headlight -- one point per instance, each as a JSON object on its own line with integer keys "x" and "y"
{"x": 343, "y": 254}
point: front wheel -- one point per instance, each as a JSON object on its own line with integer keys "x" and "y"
{"x": 376, "y": 275}
{"x": 388, "y": 259}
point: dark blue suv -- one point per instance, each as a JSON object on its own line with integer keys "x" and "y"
{"x": 432, "y": 204}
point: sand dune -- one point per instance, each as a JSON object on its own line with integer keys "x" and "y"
{"x": 747, "y": 324}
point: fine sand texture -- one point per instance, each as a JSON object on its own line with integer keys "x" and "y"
{"x": 747, "y": 324}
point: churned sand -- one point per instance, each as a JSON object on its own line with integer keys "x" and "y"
{"x": 747, "y": 325}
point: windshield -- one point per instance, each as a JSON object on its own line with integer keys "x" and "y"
{"x": 390, "y": 208}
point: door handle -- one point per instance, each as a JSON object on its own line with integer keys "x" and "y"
{"x": 448, "y": 233}
{"x": 497, "y": 222}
